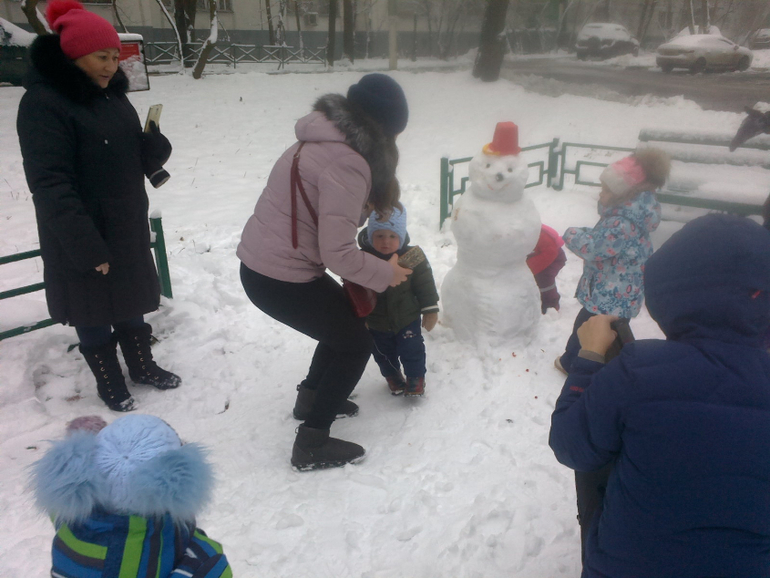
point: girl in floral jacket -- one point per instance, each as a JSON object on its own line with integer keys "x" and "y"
{"x": 615, "y": 250}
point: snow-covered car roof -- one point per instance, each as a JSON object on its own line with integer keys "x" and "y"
{"x": 698, "y": 40}
{"x": 604, "y": 30}
{"x": 12, "y": 35}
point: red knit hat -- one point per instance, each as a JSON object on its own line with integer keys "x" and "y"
{"x": 81, "y": 32}
{"x": 505, "y": 142}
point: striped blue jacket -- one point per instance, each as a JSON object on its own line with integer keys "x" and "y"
{"x": 119, "y": 546}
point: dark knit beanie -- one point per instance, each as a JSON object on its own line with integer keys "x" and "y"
{"x": 383, "y": 99}
{"x": 80, "y": 32}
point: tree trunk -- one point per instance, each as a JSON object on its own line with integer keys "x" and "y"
{"x": 348, "y": 29}
{"x": 184, "y": 15}
{"x": 299, "y": 25}
{"x": 174, "y": 28}
{"x": 705, "y": 17}
{"x": 270, "y": 29}
{"x": 490, "y": 56}
{"x": 331, "y": 43}
{"x": 691, "y": 22}
{"x": 210, "y": 42}
{"x": 29, "y": 7}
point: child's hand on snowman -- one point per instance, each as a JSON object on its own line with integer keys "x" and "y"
{"x": 429, "y": 321}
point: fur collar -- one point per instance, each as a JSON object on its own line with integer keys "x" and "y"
{"x": 364, "y": 136}
{"x": 53, "y": 67}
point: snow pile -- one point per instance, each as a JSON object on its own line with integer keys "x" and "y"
{"x": 12, "y": 35}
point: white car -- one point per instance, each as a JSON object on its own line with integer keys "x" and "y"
{"x": 699, "y": 52}
{"x": 604, "y": 40}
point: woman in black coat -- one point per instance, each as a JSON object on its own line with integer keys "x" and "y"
{"x": 85, "y": 159}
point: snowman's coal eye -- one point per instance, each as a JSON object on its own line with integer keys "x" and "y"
{"x": 488, "y": 165}
{"x": 510, "y": 170}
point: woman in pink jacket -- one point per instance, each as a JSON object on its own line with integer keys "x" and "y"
{"x": 306, "y": 220}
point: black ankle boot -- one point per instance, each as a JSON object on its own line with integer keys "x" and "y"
{"x": 135, "y": 345}
{"x": 306, "y": 398}
{"x": 110, "y": 383}
{"x": 314, "y": 450}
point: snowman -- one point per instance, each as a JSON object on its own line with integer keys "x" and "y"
{"x": 490, "y": 294}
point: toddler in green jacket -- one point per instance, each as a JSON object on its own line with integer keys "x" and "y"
{"x": 401, "y": 312}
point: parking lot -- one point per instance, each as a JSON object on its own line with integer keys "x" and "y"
{"x": 729, "y": 91}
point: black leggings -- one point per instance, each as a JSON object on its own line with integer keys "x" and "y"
{"x": 320, "y": 310}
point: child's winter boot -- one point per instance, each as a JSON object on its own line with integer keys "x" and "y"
{"x": 396, "y": 383}
{"x": 135, "y": 345}
{"x": 306, "y": 399}
{"x": 314, "y": 450}
{"x": 110, "y": 383}
{"x": 414, "y": 386}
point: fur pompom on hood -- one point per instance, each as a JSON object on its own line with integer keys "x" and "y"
{"x": 135, "y": 466}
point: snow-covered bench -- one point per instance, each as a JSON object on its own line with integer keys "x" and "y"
{"x": 706, "y": 176}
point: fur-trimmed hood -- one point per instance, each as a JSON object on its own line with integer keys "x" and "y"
{"x": 51, "y": 66}
{"x": 74, "y": 479}
{"x": 364, "y": 136}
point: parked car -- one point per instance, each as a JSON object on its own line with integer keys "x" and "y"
{"x": 760, "y": 39}
{"x": 604, "y": 40}
{"x": 13, "y": 52}
{"x": 699, "y": 52}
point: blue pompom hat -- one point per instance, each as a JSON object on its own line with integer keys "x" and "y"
{"x": 383, "y": 99}
{"x": 396, "y": 223}
{"x": 137, "y": 465}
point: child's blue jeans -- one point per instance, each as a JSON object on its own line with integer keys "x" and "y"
{"x": 407, "y": 345}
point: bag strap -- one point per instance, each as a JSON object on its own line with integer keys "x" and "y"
{"x": 296, "y": 182}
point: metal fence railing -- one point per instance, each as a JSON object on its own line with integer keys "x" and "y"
{"x": 234, "y": 54}
{"x": 158, "y": 244}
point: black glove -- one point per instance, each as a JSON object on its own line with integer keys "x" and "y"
{"x": 156, "y": 149}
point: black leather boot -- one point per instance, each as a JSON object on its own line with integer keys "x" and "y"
{"x": 110, "y": 383}
{"x": 315, "y": 450}
{"x": 135, "y": 345}
{"x": 306, "y": 398}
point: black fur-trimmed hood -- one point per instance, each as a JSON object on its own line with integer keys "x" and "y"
{"x": 51, "y": 66}
{"x": 364, "y": 136}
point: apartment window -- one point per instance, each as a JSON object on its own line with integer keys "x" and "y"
{"x": 222, "y": 5}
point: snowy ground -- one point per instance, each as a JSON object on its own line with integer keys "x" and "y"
{"x": 459, "y": 483}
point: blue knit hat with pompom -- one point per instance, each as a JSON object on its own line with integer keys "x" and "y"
{"x": 396, "y": 222}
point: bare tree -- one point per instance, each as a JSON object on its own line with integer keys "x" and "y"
{"x": 34, "y": 17}
{"x": 348, "y": 29}
{"x": 331, "y": 43}
{"x": 705, "y": 17}
{"x": 116, "y": 16}
{"x": 270, "y": 29}
{"x": 648, "y": 11}
{"x": 184, "y": 15}
{"x": 175, "y": 29}
{"x": 209, "y": 43}
{"x": 280, "y": 29}
{"x": 490, "y": 55}
{"x": 299, "y": 25}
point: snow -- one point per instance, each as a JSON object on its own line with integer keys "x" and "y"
{"x": 458, "y": 483}
{"x": 12, "y": 35}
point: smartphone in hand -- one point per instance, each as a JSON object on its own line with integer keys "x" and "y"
{"x": 153, "y": 115}
{"x": 625, "y": 335}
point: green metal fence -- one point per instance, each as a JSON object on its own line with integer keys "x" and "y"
{"x": 545, "y": 168}
{"x": 559, "y": 163}
{"x": 161, "y": 261}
